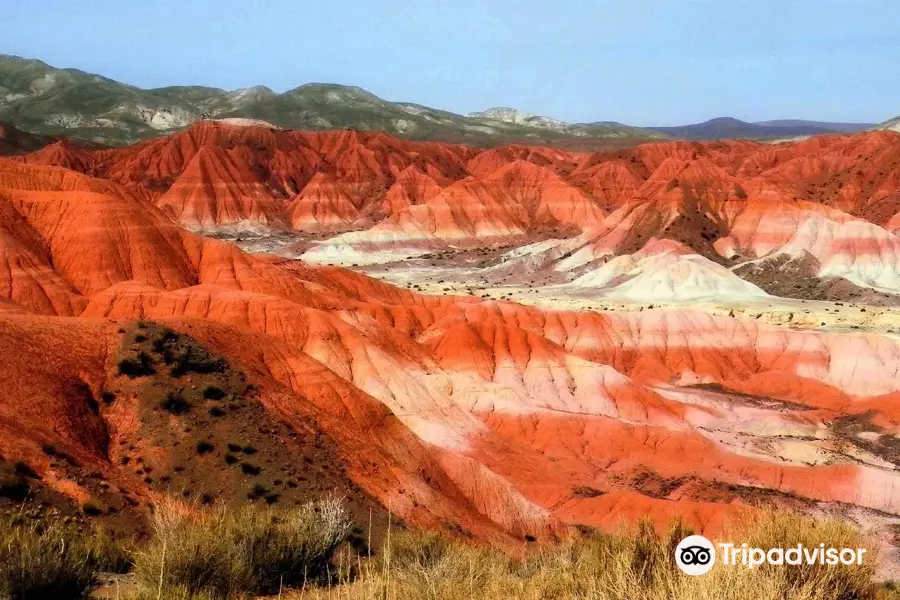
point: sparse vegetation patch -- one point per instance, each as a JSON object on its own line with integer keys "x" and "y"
{"x": 50, "y": 560}
{"x": 175, "y": 403}
{"x": 250, "y": 551}
{"x": 139, "y": 366}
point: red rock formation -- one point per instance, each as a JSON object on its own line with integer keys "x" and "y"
{"x": 325, "y": 204}
{"x": 218, "y": 189}
{"x": 411, "y": 187}
{"x": 502, "y": 419}
{"x": 550, "y": 201}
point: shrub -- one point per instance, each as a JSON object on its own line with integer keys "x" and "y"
{"x": 50, "y": 450}
{"x": 175, "y": 404}
{"x": 13, "y": 486}
{"x": 212, "y": 392}
{"x": 250, "y": 469}
{"x": 49, "y": 560}
{"x": 204, "y": 448}
{"x": 419, "y": 550}
{"x": 258, "y": 491}
{"x": 22, "y": 468}
{"x": 137, "y": 367}
{"x": 184, "y": 354}
{"x": 162, "y": 341}
{"x": 250, "y": 551}
{"x": 91, "y": 509}
{"x": 193, "y": 359}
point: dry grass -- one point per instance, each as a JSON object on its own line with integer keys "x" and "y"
{"x": 635, "y": 564}
{"x": 215, "y": 554}
{"x": 222, "y": 554}
{"x": 51, "y": 560}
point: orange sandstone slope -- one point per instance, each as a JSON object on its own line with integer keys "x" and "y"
{"x": 828, "y": 206}
{"x": 502, "y": 420}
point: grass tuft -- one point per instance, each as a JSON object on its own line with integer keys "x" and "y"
{"x": 41, "y": 560}
{"x": 254, "y": 550}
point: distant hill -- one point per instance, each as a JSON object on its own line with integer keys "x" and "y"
{"x": 724, "y": 127}
{"x": 599, "y": 129}
{"x": 728, "y": 127}
{"x": 46, "y": 100}
{"x": 892, "y": 125}
{"x": 15, "y": 141}
{"x": 840, "y": 127}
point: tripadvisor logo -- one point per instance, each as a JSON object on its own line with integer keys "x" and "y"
{"x": 696, "y": 555}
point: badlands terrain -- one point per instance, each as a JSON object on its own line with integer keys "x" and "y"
{"x": 499, "y": 343}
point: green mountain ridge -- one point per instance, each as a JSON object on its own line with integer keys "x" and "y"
{"x": 45, "y": 100}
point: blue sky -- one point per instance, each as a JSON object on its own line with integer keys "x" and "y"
{"x": 642, "y": 62}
